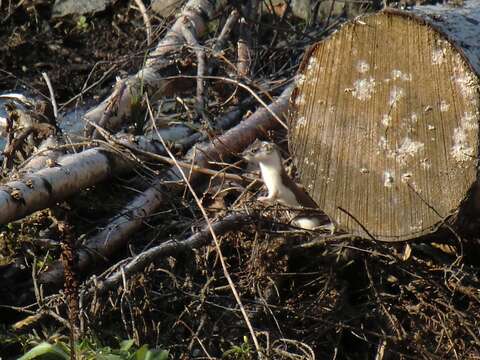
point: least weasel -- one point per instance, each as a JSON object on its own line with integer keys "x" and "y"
{"x": 283, "y": 190}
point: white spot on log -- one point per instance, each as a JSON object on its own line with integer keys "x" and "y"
{"x": 312, "y": 63}
{"x": 388, "y": 179}
{"x": 395, "y": 95}
{"x": 469, "y": 121}
{"x": 301, "y": 79}
{"x": 364, "y": 170}
{"x": 464, "y": 80}
{"x": 301, "y": 121}
{"x": 406, "y": 177}
{"x": 438, "y": 56}
{"x": 414, "y": 186}
{"x": 363, "y": 88}
{"x": 300, "y": 100}
{"x": 414, "y": 118}
{"x": 386, "y": 120}
{"x": 362, "y": 66}
{"x": 444, "y": 106}
{"x": 430, "y": 127}
{"x": 425, "y": 164}
{"x": 408, "y": 148}
{"x": 462, "y": 150}
{"x": 382, "y": 143}
{"x": 417, "y": 227}
{"x": 399, "y": 75}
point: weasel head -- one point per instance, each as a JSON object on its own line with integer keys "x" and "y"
{"x": 265, "y": 153}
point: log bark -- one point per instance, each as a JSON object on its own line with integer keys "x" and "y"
{"x": 71, "y": 173}
{"x": 116, "y": 235}
{"x": 384, "y": 125}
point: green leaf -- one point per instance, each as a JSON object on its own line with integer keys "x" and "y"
{"x": 157, "y": 355}
{"x": 107, "y": 357}
{"x": 45, "y": 349}
{"x": 141, "y": 353}
{"x": 125, "y": 345}
{"x": 145, "y": 354}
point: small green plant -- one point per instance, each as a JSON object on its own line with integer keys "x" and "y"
{"x": 242, "y": 352}
{"x": 87, "y": 350}
{"x": 137, "y": 108}
{"x": 82, "y": 24}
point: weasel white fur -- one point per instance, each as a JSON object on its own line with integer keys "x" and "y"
{"x": 283, "y": 190}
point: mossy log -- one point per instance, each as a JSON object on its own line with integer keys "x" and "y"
{"x": 384, "y": 120}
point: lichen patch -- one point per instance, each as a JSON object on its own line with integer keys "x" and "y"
{"x": 406, "y": 177}
{"x": 301, "y": 121}
{"x": 444, "y": 106}
{"x": 386, "y": 120}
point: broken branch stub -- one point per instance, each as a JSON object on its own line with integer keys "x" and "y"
{"x": 384, "y": 120}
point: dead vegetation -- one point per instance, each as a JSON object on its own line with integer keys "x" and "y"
{"x": 145, "y": 264}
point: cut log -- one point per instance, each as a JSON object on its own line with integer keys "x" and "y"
{"x": 384, "y": 121}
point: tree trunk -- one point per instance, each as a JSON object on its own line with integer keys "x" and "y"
{"x": 384, "y": 125}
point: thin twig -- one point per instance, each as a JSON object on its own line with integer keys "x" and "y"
{"x": 226, "y": 30}
{"x": 189, "y": 35}
{"x": 238, "y": 83}
{"x": 171, "y": 248}
{"x": 217, "y": 243}
{"x": 85, "y": 89}
{"x": 52, "y": 95}
{"x": 146, "y": 20}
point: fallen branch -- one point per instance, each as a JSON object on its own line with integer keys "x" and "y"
{"x": 113, "y": 238}
{"x": 41, "y": 187}
{"x": 216, "y": 242}
{"x": 226, "y": 30}
{"x": 146, "y": 20}
{"x": 171, "y": 248}
{"x": 71, "y": 173}
{"x": 117, "y": 107}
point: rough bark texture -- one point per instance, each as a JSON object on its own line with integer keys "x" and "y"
{"x": 384, "y": 126}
